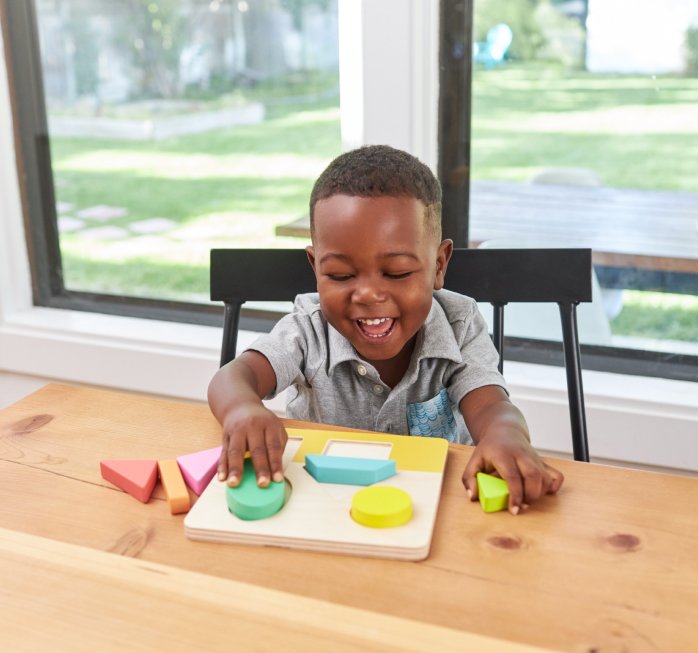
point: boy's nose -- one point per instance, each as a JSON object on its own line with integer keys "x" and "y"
{"x": 368, "y": 293}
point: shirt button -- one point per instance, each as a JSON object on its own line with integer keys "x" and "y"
{"x": 378, "y": 389}
{"x": 361, "y": 370}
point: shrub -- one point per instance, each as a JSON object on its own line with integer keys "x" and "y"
{"x": 541, "y": 30}
{"x": 519, "y": 15}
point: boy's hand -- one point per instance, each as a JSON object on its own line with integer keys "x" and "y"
{"x": 253, "y": 428}
{"x": 508, "y": 452}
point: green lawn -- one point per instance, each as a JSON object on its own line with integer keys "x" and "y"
{"x": 233, "y": 187}
{"x": 633, "y": 131}
{"x": 224, "y": 188}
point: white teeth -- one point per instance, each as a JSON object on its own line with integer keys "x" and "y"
{"x": 378, "y": 320}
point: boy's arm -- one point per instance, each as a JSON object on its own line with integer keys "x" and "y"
{"x": 503, "y": 445}
{"x": 235, "y": 398}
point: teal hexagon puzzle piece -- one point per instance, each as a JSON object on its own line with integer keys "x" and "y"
{"x": 348, "y": 470}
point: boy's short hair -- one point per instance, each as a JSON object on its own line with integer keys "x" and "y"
{"x": 380, "y": 171}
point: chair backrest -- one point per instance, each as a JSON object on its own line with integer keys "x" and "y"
{"x": 540, "y": 320}
{"x": 496, "y": 276}
{"x": 241, "y": 275}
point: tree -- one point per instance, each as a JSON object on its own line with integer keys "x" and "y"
{"x": 155, "y": 32}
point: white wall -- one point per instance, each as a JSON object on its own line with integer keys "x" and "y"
{"x": 631, "y": 419}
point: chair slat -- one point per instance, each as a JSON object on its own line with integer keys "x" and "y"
{"x": 270, "y": 275}
{"x": 521, "y": 275}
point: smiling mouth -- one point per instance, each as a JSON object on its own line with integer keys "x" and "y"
{"x": 380, "y": 327}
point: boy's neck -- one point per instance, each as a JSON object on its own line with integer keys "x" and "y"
{"x": 391, "y": 371}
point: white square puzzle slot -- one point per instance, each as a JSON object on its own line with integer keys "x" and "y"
{"x": 358, "y": 449}
{"x": 292, "y": 445}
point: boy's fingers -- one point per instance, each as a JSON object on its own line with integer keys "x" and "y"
{"x": 276, "y": 443}
{"x": 236, "y": 459}
{"x": 222, "y": 469}
{"x": 534, "y": 483}
{"x": 260, "y": 460}
{"x": 471, "y": 487}
{"x": 470, "y": 475}
{"x": 556, "y": 479}
{"x": 510, "y": 473}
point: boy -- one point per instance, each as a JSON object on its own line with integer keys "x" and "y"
{"x": 381, "y": 346}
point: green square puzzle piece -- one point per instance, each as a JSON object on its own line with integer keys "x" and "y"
{"x": 493, "y": 492}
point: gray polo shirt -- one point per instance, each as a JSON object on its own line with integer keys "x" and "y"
{"x": 328, "y": 382}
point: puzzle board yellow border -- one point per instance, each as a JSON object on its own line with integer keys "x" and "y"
{"x": 410, "y": 452}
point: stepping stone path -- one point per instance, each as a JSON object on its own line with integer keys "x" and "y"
{"x": 152, "y": 226}
{"x": 102, "y": 212}
{"x": 64, "y": 207}
{"x": 105, "y": 233}
{"x": 67, "y": 224}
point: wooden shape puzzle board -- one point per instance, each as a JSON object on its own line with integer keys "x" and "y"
{"x": 316, "y": 515}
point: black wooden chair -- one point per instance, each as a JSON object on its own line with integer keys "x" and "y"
{"x": 496, "y": 276}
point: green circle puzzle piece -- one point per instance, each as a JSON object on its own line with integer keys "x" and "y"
{"x": 249, "y": 501}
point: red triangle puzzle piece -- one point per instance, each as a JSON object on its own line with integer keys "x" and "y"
{"x": 137, "y": 477}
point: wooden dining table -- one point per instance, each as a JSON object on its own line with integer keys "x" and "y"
{"x": 640, "y": 238}
{"x": 610, "y": 563}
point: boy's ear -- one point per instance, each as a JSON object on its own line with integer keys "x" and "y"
{"x": 443, "y": 256}
{"x": 310, "y": 253}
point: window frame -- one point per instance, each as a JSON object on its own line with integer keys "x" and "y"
{"x": 455, "y": 76}
{"x": 454, "y": 103}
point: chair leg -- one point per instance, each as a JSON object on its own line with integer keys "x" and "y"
{"x": 498, "y": 333}
{"x": 575, "y": 392}
{"x": 231, "y": 318}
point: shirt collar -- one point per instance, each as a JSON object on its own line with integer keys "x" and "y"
{"x": 434, "y": 340}
{"x": 339, "y": 350}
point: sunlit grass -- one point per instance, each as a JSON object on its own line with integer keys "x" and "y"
{"x": 658, "y": 315}
{"x": 633, "y": 131}
{"x": 676, "y": 119}
{"x": 233, "y": 187}
{"x": 195, "y": 166}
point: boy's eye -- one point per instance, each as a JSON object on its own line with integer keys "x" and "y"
{"x": 339, "y": 277}
{"x": 397, "y": 275}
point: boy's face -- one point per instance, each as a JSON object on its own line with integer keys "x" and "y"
{"x": 376, "y": 269}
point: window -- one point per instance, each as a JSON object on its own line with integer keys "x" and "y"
{"x": 170, "y": 127}
{"x": 122, "y": 220}
{"x": 582, "y": 137}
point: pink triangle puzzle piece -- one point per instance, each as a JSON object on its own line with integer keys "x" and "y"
{"x": 137, "y": 477}
{"x": 198, "y": 468}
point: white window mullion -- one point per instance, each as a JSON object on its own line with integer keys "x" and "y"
{"x": 389, "y": 75}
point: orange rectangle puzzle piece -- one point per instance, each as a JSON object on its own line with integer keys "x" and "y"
{"x": 175, "y": 488}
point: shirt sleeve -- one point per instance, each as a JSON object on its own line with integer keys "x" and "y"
{"x": 286, "y": 348}
{"x": 479, "y": 358}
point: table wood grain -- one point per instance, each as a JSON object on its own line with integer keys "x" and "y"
{"x": 59, "y": 596}
{"x": 608, "y": 564}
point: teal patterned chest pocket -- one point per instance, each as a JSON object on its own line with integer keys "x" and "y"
{"x": 433, "y": 418}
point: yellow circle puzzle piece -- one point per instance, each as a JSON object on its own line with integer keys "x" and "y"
{"x": 381, "y": 506}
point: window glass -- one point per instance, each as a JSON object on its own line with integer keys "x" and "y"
{"x": 181, "y": 125}
{"x": 585, "y": 134}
